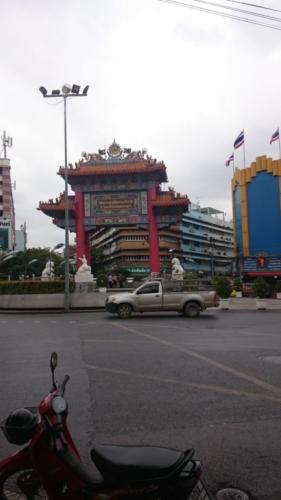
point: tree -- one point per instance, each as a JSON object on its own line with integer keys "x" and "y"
{"x": 20, "y": 263}
{"x": 223, "y": 287}
{"x": 97, "y": 261}
{"x": 260, "y": 287}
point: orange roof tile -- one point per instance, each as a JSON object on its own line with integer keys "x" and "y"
{"x": 170, "y": 198}
{"x": 113, "y": 169}
{"x": 166, "y": 202}
{"x": 56, "y": 206}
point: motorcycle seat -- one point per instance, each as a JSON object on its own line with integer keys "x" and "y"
{"x": 138, "y": 463}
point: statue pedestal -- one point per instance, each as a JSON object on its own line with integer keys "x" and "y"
{"x": 177, "y": 277}
{"x": 84, "y": 282}
{"x": 84, "y": 277}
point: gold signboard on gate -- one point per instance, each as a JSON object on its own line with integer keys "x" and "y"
{"x": 107, "y": 208}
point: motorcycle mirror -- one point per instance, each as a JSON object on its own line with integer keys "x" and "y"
{"x": 53, "y": 365}
{"x": 54, "y": 361}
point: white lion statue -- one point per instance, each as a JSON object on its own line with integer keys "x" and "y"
{"x": 49, "y": 270}
{"x": 84, "y": 268}
{"x": 177, "y": 269}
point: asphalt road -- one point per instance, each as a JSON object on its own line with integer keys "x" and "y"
{"x": 211, "y": 383}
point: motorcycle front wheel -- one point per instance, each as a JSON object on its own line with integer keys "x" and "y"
{"x": 21, "y": 485}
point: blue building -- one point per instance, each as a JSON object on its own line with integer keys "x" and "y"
{"x": 257, "y": 218}
{"x": 206, "y": 241}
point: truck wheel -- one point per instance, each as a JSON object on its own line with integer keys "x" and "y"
{"x": 192, "y": 310}
{"x": 124, "y": 311}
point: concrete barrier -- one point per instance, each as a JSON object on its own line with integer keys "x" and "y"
{"x": 52, "y": 301}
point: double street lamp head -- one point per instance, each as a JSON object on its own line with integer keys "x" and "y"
{"x": 66, "y": 91}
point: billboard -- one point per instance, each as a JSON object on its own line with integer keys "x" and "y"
{"x": 262, "y": 264}
{"x": 4, "y": 238}
{"x": 115, "y": 208}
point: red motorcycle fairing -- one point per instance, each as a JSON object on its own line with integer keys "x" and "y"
{"x": 19, "y": 460}
{"x": 57, "y": 478}
{"x": 47, "y": 414}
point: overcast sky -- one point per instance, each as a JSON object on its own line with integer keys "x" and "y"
{"x": 180, "y": 83}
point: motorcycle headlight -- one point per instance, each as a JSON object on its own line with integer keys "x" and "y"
{"x": 59, "y": 404}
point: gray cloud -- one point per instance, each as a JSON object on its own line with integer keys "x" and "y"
{"x": 181, "y": 84}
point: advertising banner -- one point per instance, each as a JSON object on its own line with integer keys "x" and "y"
{"x": 4, "y": 238}
{"x": 262, "y": 264}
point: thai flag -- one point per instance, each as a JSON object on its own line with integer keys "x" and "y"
{"x": 239, "y": 141}
{"x": 230, "y": 159}
{"x": 275, "y": 136}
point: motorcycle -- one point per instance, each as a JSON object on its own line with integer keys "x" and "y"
{"x": 50, "y": 467}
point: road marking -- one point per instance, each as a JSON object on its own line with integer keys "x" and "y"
{"x": 210, "y": 331}
{"x": 72, "y": 322}
{"x": 193, "y": 385}
{"x": 250, "y": 378}
{"x": 152, "y": 325}
{"x": 122, "y": 341}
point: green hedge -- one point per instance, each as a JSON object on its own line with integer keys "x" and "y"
{"x": 223, "y": 287}
{"x": 32, "y": 287}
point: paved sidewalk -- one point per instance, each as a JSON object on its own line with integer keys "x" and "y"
{"x": 249, "y": 304}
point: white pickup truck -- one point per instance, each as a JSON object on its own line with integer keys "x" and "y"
{"x": 160, "y": 295}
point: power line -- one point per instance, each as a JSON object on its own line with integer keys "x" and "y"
{"x": 235, "y": 9}
{"x": 224, "y": 14}
{"x": 254, "y": 5}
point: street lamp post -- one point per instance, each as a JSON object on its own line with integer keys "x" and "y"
{"x": 66, "y": 91}
{"x": 4, "y": 257}
{"x": 29, "y": 264}
{"x": 56, "y": 247}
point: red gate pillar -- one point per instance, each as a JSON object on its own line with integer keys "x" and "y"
{"x": 154, "y": 252}
{"x": 82, "y": 239}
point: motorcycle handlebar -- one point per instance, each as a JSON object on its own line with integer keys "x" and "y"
{"x": 64, "y": 382}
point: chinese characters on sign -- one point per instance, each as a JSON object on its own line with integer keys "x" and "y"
{"x": 115, "y": 208}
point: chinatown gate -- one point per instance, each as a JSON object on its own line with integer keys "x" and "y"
{"x": 117, "y": 187}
